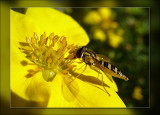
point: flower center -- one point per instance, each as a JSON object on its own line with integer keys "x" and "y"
{"x": 51, "y": 54}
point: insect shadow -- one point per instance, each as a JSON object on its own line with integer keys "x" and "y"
{"x": 90, "y": 79}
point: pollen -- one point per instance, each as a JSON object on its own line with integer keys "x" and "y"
{"x": 51, "y": 54}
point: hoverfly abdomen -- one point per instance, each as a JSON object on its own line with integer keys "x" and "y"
{"x": 106, "y": 64}
{"x": 118, "y": 71}
{"x": 113, "y": 68}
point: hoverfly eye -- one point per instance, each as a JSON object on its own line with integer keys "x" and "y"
{"x": 80, "y": 52}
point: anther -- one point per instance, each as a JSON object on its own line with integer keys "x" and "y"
{"x": 43, "y": 39}
{"x": 70, "y": 46}
{"x": 51, "y": 36}
{"x": 28, "y": 40}
{"x": 47, "y": 54}
{"x": 34, "y": 58}
{"x": 33, "y": 40}
{"x": 54, "y": 40}
{"x": 49, "y": 60}
{"x": 35, "y": 36}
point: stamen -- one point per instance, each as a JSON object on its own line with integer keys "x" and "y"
{"x": 33, "y": 40}
{"x": 34, "y": 58}
{"x": 35, "y": 36}
{"x": 49, "y": 60}
{"x": 51, "y": 36}
{"x": 28, "y": 40}
{"x": 51, "y": 54}
{"x": 55, "y": 39}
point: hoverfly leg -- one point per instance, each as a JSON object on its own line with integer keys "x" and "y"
{"x": 104, "y": 86}
{"x": 98, "y": 71}
{"x": 79, "y": 74}
{"x": 98, "y": 76}
{"x": 77, "y": 62}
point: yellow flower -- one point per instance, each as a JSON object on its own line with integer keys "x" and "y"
{"x": 106, "y": 28}
{"x": 114, "y": 39}
{"x": 99, "y": 35}
{"x": 43, "y": 42}
{"x": 105, "y": 13}
{"x": 92, "y": 18}
{"x": 137, "y": 93}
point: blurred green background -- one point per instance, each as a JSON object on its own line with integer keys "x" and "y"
{"x": 135, "y": 51}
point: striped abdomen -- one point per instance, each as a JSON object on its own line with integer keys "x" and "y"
{"x": 113, "y": 69}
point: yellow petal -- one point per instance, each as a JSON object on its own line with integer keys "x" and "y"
{"x": 81, "y": 94}
{"x": 50, "y": 20}
{"x": 21, "y": 27}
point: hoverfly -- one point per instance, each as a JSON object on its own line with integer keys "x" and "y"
{"x": 101, "y": 62}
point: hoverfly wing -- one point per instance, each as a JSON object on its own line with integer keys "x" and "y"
{"x": 102, "y": 57}
{"x": 104, "y": 69}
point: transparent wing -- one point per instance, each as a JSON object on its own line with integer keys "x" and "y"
{"x": 102, "y": 57}
{"x": 69, "y": 90}
{"x": 105, "y": 70}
